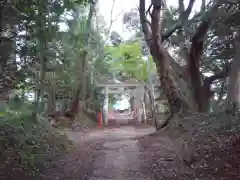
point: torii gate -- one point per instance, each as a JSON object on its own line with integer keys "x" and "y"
{"x": 138, "y": 93}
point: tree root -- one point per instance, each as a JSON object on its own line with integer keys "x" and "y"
{"x": 165, "y": 123}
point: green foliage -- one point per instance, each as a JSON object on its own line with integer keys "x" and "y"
{"x": 48, "y": 66}
{"x": 128, "y": 58}
{"x": 71, "y": 47}
{"x": 26, "y": 142}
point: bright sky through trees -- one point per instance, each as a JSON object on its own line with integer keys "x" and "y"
{"x": 105, "y": 7}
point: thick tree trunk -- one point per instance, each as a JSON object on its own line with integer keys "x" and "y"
{"x": 184, "y": 88}
{"x": 160, "y": 56}
{"x": 200, "y": 90}
{"x": 167, "y": 83}
{"x": 73, "y": 104}
{"x": 51, "y": 100}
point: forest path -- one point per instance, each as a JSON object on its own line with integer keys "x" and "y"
{"x": 121, "y": 159}
{"x": 109, "y": 153}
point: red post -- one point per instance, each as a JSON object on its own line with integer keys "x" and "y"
{"x": 99, "y": 119}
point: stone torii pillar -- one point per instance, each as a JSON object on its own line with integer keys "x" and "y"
{"x": 138, "y": 97}
{"x": 105, "y": 106}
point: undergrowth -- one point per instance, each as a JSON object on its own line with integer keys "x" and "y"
{"x": 27, "y": 145}
{"x": 202, "y": 146}
{"x": 83, "y": 121}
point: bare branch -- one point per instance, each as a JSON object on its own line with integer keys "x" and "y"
{"x": 162, "y": 21}
{"x": 203, "y": 5}
{"x": 189, "y": 9}
{"x": 143, "y": 20}
{"x": 157, "y": 4}
{"x": 156, "y": 20}
{"x": 181, "y": 7}
{"x": 111, "y": 18}
{"x": 183, "y": 17}
{"x": 169, "y": 33}
{"x": 149, "y": 8}
{"x": 221, "y": 75}
{"x": 112, "y": 21}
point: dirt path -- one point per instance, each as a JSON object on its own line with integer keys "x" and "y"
{"x": 121, "y": 154}
{"x": 118, "y": 157}
{"x": 134, "y": 153}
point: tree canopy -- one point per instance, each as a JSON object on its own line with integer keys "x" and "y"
{"x": 50, "y": 72}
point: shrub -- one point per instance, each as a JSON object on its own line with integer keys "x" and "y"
{"x": 27, "y": 144}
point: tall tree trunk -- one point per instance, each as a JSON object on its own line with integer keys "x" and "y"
{"x": 233, "y": 94}
{"x": 42, "y": 48}
{"x": 184, "y": 87}
{"x": 51, "y": 98}
{"x": 200, "y": 90}
{"x": 161, "y": 56}
{"x": 168, "y": 85}
{"x": 81, "y": 87}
